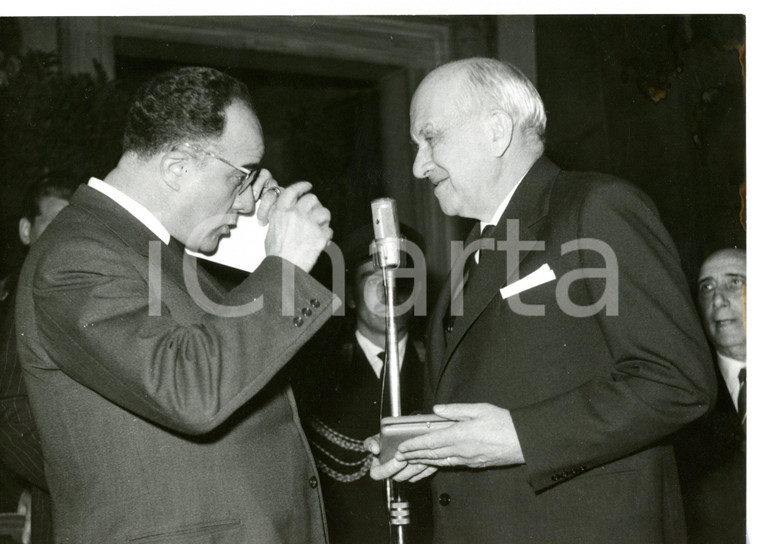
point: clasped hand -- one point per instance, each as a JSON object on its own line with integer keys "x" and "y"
{"x": 299, "y": 226}
{"x": 484, "y": 436}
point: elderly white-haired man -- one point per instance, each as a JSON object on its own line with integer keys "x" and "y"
{"x": 574, "y": 350}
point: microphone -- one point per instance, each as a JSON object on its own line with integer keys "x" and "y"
{"x": 385, "y": 218}
{"x": 386, "y": 249}
{"x": 386, "y": 254}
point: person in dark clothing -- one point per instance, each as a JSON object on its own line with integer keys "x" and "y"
{"x": 341, "y": 403}
{"x": 20, "y": 450}
{"x": 157, "y": 392}
{"x": 712, "y": 452}
{"x": 568, "y": 349}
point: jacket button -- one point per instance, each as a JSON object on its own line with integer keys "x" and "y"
{"x": 313, "y": 482}
{"x": 306, "y": 311}
{"x": 298, "y": 321}
{"x": 444, "y": 499}
{"x": 314, "y": 303}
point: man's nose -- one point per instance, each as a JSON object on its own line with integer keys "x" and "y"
{"x": 244, "y": 202}
{"x": 720, "y": 299}
{"x": 423, "y": 163}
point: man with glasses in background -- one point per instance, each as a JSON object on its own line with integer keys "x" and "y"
{"x": 712, "y": 453}
{"x": 162, "y": 412}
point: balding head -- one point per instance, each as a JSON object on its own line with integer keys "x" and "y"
{"x": 478, "y": 125}
{"x": 721, "y": 301}
{"x": 484, "y": 83}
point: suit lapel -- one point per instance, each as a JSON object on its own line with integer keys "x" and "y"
{"x": 724, "y": 403}
{"x": 528, "y": 207}
{"x": 173, "y": 262}
{"x": 436, "y": 335}
{"x": 441, "y": 318}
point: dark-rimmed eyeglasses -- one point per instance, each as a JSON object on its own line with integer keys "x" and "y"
{"x": 250, "y": 174}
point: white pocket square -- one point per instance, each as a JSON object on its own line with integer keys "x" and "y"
{"x": 535, "y": 278}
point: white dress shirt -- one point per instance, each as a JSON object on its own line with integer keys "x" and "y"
{"x": 139, "y": 211}
{"x": 729, "y": 369}
{"x": 371, "y": 351}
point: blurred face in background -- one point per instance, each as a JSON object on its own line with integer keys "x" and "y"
{"x": 30, "y": 230}
{"x": 721, "y": 301}
{"x": 367, "y": 297}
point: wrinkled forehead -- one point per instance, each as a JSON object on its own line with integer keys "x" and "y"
{"x": 724, "y": 263}
{"x": 438, "y": 100}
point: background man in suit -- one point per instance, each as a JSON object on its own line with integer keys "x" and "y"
{"x": 20, "y": 449}
{"x": 712, "y": 452}
{"x": 565, "y": 392}
{"x": 339, "y": 391}
{"x": 162, "y": 412}
{"x": 722, "y": 279}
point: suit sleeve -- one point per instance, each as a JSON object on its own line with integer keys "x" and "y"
{"x": 92, "y": 311}
{"x": 660, "y": 374}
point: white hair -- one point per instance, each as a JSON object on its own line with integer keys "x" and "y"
{"x": 490, "y": 82}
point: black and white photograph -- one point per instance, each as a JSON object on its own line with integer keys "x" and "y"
{"x": 410, "y": 277}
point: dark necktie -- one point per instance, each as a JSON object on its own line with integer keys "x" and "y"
{"x": 742, "y": 400}
{"x": 469, "y": 268}
{"x": 471, "y": 264}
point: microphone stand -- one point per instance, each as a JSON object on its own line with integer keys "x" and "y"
{"x": 383, "y": 257}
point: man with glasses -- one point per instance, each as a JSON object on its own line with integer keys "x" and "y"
{"x": 712, "y": 453}
{"x": 162, "y": 410}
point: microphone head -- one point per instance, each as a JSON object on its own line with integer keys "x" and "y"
{"x": 385, "y": 218}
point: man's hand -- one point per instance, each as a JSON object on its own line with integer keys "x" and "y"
{"x": 264, "y": 195}
{"x": 401, "y": 471}
{"x": 484, "y": 437}
{"x": 298, "y": 225}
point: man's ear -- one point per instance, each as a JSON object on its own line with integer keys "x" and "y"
{"x": 174, "y": 167}
{"x": 502, "y": 129}
{"x": 25, "y": 231}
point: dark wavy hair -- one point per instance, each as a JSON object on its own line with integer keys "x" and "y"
{"x": 182, "y": 104}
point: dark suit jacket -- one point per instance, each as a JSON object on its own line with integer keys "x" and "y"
{"x": 712, "y": 464}
{"x": 337, "y": 387}
{"x": 20, "y": 448}
{"x": 162, "y": 422}
{"x": 19, "y": 442}
{"x": 592, "y": 398}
